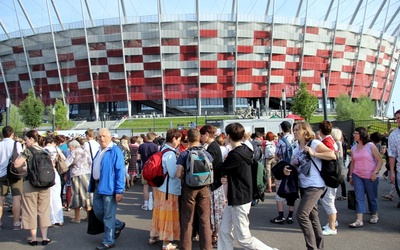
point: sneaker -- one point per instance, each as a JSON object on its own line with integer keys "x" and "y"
{"x": 329, "y": 231}
{"x": 289, "y": 220}
{"x": 374, "y": 219}
{"x": 278, "y": 220}
{"x": 388, "y": 197}
{"x": 145, "y": 207}
{"x": 327, "y": 225}
{"x": 17, "y": 226}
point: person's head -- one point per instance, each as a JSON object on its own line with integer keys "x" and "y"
{"x": 286, "y": 126}
{"x": 361, "y": 135}
{"x": 270, "y": 136}
{"x": 173, "y": 137}
{"x": 193, "y": 136}
{"x": 375, "y": 137}
{"x": 151, "y": 136}
{"x": 337, "y": 134}
{"x": 31, "y": 137}
{"x": 303, "y": 131}
{"x": 207, "y": 133}
{"x": 8, "y": 132}
{"x": 184, "y": 139}
{"x": 325, "y": 127}
{"x": 81, "y": 141}
{"x": 89, "y": 133}
{"x": 235, "y": 131}
{"x": 134, "y": 139}
{"x": 256, "y": 136}
{"x": 104, "y": 137}
{"x": 115, "y": 138}
{"x": 221, "y": 139}
{"x": 397, "y": 116}
{"x": 60, "y": 139}
{"x": 246, "y": 136}
{"x": 74, "y": 144}
{"x": 49, "y": 140}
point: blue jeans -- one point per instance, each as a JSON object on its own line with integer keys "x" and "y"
{"x": 105, "y": 209}
{"x": 367, "y": 187}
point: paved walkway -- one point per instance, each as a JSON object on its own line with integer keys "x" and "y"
{"x": 384, "y": 235}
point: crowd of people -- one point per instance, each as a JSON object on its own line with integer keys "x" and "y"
{"x": 102, "y": 166}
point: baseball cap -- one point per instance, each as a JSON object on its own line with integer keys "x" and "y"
{"x": 115, "y": 136}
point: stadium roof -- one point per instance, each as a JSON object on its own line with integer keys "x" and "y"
{"x": 32, "y": 15}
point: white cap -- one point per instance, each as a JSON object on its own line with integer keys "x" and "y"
{"x": 115, "y": 136}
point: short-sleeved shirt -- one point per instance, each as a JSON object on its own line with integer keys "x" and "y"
{"x": 80, "y": 162}
{"x": 394, "y": 147}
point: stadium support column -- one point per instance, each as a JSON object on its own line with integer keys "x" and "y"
{"x": 394, "y": 51}
{"x": 8, "y": 111}
{"x": 270, "y": 56}
{"x": 163, "y": 101}
{"x": 284, "y": 102}
{"x": 198, "y": 110}
{"x": 53, "y": 110}
{"x": 323, "y": 88}
{"x": 333, "y": 48}
{"x": 4, "y": 80}
{"x": 127, "y": 81}
{"x": 236, "y": 56}
{"x": 304, "y": 40}
{"x": 94, "y": 92}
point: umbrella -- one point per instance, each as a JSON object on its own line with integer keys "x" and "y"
{"x": 295, "y": 117}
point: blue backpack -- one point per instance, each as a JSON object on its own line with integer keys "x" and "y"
{"x": 287, "y": 156}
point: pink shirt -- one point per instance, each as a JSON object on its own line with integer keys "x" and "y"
{"x": 364, "y": 161}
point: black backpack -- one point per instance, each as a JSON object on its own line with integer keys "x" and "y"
{"x": 40, "y": 169}
{"x": 331, "y": 172}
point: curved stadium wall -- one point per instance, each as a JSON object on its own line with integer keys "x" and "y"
{"x": 217, "y": 57}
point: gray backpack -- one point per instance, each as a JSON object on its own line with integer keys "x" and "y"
{"x": 199, "y": 169}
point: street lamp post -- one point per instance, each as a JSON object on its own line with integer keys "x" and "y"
{"x": 205, "y": 113}
{"x": 154, "y": 121}
{"x": 393, "y": 108}
{"x": 54, "y": 118}
{"x": 7, "y": 111}
{"x": 323, "y": 88}
{"x": 258, "y": 108}
{"x": 284, "y": 102}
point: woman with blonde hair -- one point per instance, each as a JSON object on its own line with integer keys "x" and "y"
{"x": 311, "y": 184}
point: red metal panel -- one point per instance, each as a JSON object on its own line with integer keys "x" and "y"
{"x": 81, "y": 63}
{"x": 52, "y": 73}
{"x": 188, "y": 57}
{"x": 208, "y": 64}
{"x": 244, "y": 49}
{"x": 68, "y": 71}
{"x": 348, "y": 69}
{"x": 99, "y": 61}
{"x": 340, "y": 40}
{"x": 312, "y": 30}
{"x": 280, "y": 58}
{"x": 83, "y": 77}
{"x": 114, "y": 53}
{"x": 280, "y": 43}
{"x": 292, "y": 51}
{"x": 349, "y": 48}
{"x": 38, "y": 67}
{"x": 338, "y": 54}
{"x": 226, "y": 56}
{"x": 65, "y": 57}
{"x": 323, "y": 53}
{"x": 188, "y": 49}
{"x": 97, "y": 46}
{"x": 18, "y": 49}
{"x": 152, "y": 65}
{"x": 208, "y": 33}
{"x": 136, "y": 81}
{"x": 133, "y": 43}
{"x": 136, "y": 74}
{"x": 24, "y": 76}
{"x": 151, "y": 50}
{"x": 116, "y": 68}
{"x": 262, "y": 34}
{"x": 112, "y": 30}
{"x": 35, "y": 53}
{"x": 370, "y": 58}
{"x": 78, "y": 40}
{"x": 172, "y": 72}
{"x": 208, "y": 72}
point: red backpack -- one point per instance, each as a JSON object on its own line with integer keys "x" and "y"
{"x": 153, "y": 170}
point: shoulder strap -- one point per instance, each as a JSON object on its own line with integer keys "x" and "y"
{"x": 90, "y": 149}
{"x": 315, "y": 165}
{"x": 13, "y": 152}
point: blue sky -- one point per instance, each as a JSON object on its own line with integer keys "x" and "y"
{"x": 70, "y": 11}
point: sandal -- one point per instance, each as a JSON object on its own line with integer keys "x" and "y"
{"x": 341, "y": 198}
{"x": 170, "y": 246}
{"x": 215, "y": 242}
{"x": 374, "y": 219}
{"x": 356, "y": 224}
{"x": 153, "y": 241}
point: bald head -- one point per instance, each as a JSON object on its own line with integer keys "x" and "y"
{"x": 104, "y": 137}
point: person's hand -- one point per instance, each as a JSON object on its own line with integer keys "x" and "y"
{"x": 119, "y": 197}
{"x": 351, "y": 182}
{"x": 309, "y": 151}
{"x": 392, "y": 176}
{"x": 286, "y": 170}
{"x": 373, "y": 176}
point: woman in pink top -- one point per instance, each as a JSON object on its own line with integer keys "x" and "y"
{"x": 364, "y": 172}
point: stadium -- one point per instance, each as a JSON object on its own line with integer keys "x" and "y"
{"x": 212, "y": 58}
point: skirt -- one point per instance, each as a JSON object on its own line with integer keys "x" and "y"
{"x": 165, "y": 222}
{"x": 217, "y": 207}
{"x": 80, "y": 192}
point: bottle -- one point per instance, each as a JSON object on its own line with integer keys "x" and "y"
{"x": 151, "y": 202}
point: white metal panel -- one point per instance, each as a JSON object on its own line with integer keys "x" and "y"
{"x": 25, "y": 86}
{"x": 85, "y": 85}
{"x": 309, "y": 51}
{"x": 277, "y": 79}
{"x": 53, "y": 80}
{"x": 189, "y": 72}
{"x": 55, "y": 94}
{"x": 133, "y": 51}
{"x": 116, "y": 75}
{"x": 308, "y": 73}
{"x": 368, "y": 70}
{"x": 208, "y": 56}
{"x": 151, "y": 58}
{"x": 208, "y": 79}
{"x": 170, "y": 49}
{"x": 152, "y": 73}
{"x": 171, "y": 65}
{"x": 226, "y": 64}
{"x": 50, "y": 66}
{"x": 243, "y": 86}
{"x": 132, "y": 35}
{"x": 73, "y": 78}
{"x": 38, "y": 74}
{"x": 278, "y": 50}
{"x": 345, "y": 75}
{"x": 134, "y": 66}
{"x": 261, "y": 49}
{"x": 349, "y": 55}
{"x": 100, "y": 68}
{"x": 259, "y": 72}
{"x": 115, "y": 60}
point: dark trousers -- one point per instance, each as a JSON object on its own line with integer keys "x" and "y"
{"x": 195, "y": 200}
{"x": 307, "y": 217}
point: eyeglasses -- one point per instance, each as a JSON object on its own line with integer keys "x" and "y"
{"x": 356, "y": 133}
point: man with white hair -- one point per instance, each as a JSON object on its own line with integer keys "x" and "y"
{"x": 107, "y": 183}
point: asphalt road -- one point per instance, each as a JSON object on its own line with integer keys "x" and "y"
{"x": 384, "y": 235}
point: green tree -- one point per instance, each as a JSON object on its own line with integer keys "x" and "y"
{"x": 31, "y": 110}
{"x": 360, "y": 109}
{"x": 15, "y": 120}
{"x": 61, "y": 115}
{"x": 304, "y": 104}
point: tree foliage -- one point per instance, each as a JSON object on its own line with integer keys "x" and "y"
{"x": 15, "y": 120}
{"x": 304, "y": 104}
{"x": 61, "y": 115}
{"x": 361, "y": 109}
{"x": 32, "y": 110}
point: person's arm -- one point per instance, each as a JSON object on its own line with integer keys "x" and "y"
{"x": 378, "y": 160}
{"x": 179, "y": 172}
{"x": 321, "y": 152}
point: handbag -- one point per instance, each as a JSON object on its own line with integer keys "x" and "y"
{"x": 351, "y": 199}
{"x": 95, "y": 226}
{"x": 12, "y": 172}
{"x": 61, "y": 165}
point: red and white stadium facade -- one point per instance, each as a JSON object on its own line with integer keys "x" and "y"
{"x": 163, "y": 58}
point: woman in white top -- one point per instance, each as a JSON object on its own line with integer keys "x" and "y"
{"x": 310, "y": 181}
{"x": 56, "y": 208}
